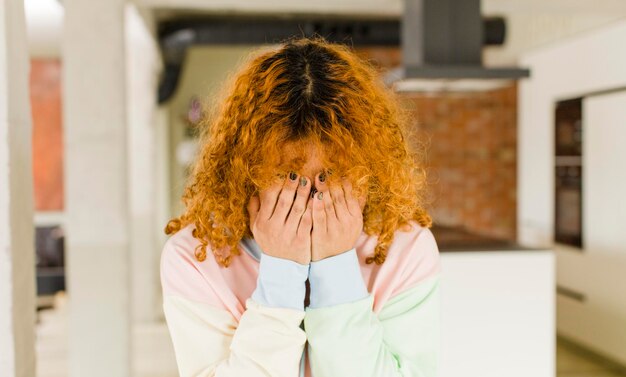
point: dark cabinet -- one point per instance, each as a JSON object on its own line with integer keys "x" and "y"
{"x": 568, "y": 172}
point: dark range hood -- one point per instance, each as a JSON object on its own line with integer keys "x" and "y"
{"x": 442, "y": 42}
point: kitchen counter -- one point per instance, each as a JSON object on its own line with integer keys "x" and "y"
{"x": 456, "y": 239}
{"x": 498, "y": 306}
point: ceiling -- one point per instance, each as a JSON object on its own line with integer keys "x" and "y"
{"x": 531, "y": 24}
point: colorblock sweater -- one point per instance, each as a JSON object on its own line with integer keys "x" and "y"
{"x": 250, "y": 320}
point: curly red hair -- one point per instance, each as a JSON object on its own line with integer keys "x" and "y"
{"x": 306, "y": 92}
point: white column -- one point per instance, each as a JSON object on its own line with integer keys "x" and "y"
{"x": 143, "y": 67}
{"x": 96, "y": 184}
{"x": 17, "y": 261}
{"x": 162, "y": 184}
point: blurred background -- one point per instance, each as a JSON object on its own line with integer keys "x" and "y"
{"x": 521, "y": 104}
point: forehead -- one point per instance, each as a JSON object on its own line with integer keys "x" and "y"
{"x": 303, "y": 153}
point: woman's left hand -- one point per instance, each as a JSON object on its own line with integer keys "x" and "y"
{"x": 337, "y": 219}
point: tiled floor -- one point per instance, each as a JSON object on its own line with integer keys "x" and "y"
{"x": 153, "y": 354}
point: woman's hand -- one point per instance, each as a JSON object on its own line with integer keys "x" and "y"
{"x": 281, "y": 226}
{"x": 337, "y": 219}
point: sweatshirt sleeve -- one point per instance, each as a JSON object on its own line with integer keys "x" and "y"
{"x": 403, "y": 339}
{"x": 208, "y": 340}
{"x": 336, "y": 280}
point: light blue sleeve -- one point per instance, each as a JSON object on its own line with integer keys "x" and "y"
{"x": 336, "y": 280}
{"x": 280, "y": 283}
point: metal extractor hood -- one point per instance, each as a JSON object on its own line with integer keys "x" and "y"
{"x": 442, "y": 42}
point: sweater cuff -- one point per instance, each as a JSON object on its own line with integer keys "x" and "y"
{"x": 336, "y": 280}
{"x": 280, "y": 283}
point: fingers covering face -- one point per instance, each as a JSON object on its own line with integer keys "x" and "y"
{"x": 268, "y": 198}
{"x": 341, "y": 202}
{"x": 306, "y": 221}
{"x": 326, "y": 199}
{"x": 287, "y": 200}
{"x": 299, "y": 205}
{"x": 319, "y": 213}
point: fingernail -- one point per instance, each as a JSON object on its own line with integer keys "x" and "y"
{"x": 302, "y": 181}
{"x": 293, "y": 176}
{"x": 322, "y": 177}
{"x": 320, "y": 195}
{"x": 313, "y": 193}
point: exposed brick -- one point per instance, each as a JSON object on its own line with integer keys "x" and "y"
{"x": 473, "y": 154}
{"x": 45, "y": 98}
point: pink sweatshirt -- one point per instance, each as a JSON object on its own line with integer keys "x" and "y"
{"x": 223, "y": 321}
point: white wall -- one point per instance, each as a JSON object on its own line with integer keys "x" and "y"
{"x": 590, "y": 63}
{"x": 44, "y": 21}
{"x": 599, "y": 273}
{"x": 203, "y": 73}
{"x": 533, "y": 24}
{"x": 17, "y": 259}
{"x": 580, "y": 66}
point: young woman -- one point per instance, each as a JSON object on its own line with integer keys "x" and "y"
{"x": 304, "y": 249}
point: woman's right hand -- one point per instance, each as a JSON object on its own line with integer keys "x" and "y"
{"x": 281, "y": 226}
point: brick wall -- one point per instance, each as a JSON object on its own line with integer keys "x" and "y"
{"x": 471, "y": 155}
{"x": 45, "y": 99}
{"x": 471, "y": 158}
